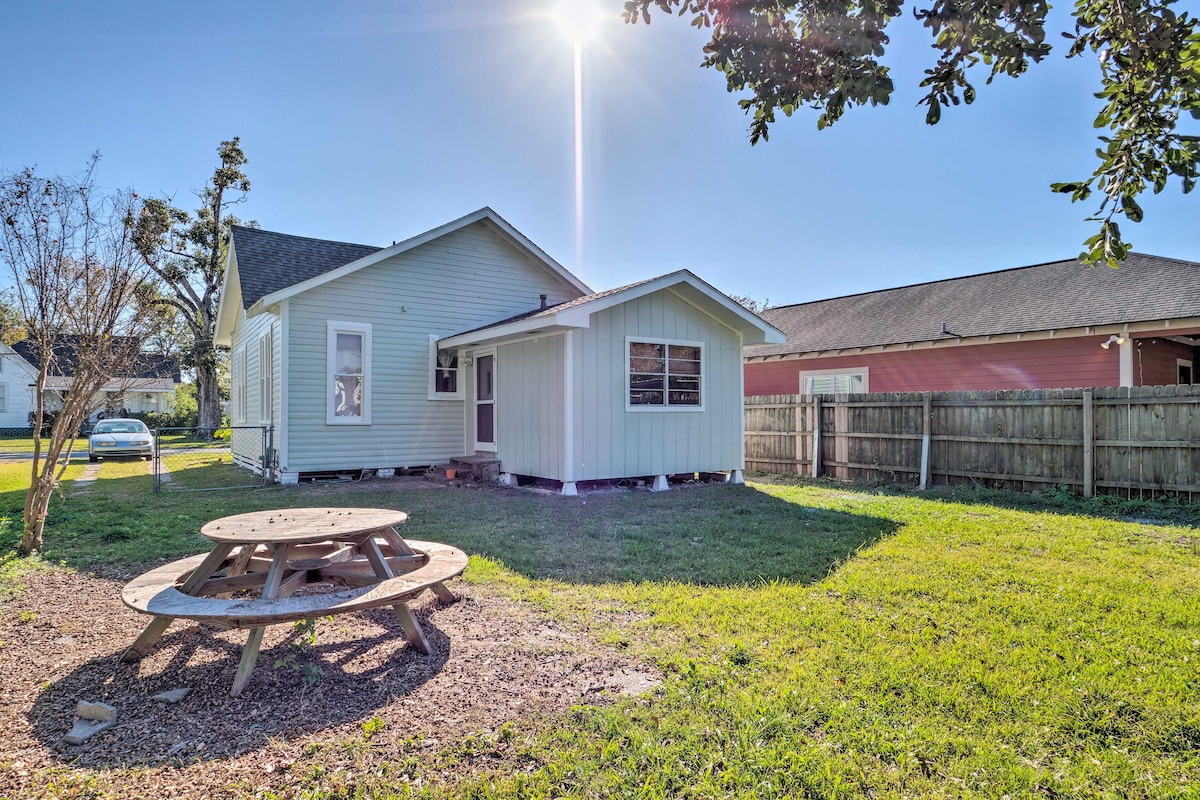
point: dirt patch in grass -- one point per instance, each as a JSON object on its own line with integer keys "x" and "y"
{"x": 498, "y": 667}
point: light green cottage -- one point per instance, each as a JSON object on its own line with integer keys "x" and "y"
{"x": 469, "y": 340}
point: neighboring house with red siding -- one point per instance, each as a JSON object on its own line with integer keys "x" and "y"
{"x": 1039, "y": 327}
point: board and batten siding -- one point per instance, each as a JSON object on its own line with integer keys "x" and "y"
{"x": 464, "y": 279}
{"x": 613, "y": 442}
{"x": 530, "y": 419}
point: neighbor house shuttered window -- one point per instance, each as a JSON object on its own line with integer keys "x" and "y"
{"x": 840, "y": 383}
{"x": 3, "y": 397}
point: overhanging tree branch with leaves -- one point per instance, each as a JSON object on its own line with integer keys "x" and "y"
{"x": 827, "y": 55}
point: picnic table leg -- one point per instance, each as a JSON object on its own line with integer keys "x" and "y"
{"x": 142, "y": 644}
{"x": 254, "y": 640}
{"x": 158, "y": 626}
{"x": 238, "y": 566}
{"x": 402, "y": 549}
{"x": 408, "y": 622}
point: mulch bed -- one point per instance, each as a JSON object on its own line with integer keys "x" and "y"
{"x": 375, "y": 702}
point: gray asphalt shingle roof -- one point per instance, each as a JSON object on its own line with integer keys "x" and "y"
{"x": 268, "y": 261}
{"x": 1056, "y": 295}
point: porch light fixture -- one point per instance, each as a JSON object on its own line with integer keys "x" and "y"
{"x": 1114, "y": 338}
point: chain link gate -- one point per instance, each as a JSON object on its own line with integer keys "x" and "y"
{"x": 229, "y": 457}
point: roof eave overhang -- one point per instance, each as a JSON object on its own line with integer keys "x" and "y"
{"x": 1175, "y": 327}
{"x": 226, "y": 311}
{"x": 512, "y": 331}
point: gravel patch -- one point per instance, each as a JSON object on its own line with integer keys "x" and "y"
{"x": 495, "y": 661}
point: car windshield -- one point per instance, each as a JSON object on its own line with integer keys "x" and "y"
{"x": 121, "y": 426}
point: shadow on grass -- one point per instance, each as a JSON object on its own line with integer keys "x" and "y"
{"x": 1051, "y": 500}
{"x": 704, "y": 534}
{"x": 361, "y": 672}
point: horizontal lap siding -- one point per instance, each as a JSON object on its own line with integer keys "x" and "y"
{"x": 611, "y": 442}
{"x": 246, "y": 333}
{"x": 531, "y": 425}
{"x": 1043, "y": 364}
{"x": 467, "y": 278}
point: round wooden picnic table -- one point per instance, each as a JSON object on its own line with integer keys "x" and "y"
{"x": 280, "y": 552}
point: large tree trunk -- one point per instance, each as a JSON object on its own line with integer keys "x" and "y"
{"x": 208, "y": 399}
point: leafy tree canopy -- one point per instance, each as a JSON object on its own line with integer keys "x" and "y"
{"x": 828, "y": 55}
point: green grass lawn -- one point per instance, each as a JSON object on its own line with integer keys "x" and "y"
{"x": 818, "y": 641}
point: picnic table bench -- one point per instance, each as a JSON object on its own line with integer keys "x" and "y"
{"x": 262, "y": 559}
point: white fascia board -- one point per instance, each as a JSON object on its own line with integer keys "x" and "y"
{"x": 226, "y": 311}
{"x": 753, "y": 329}
{"x": 520, "y": 328}
{"x": 484, "y": 213}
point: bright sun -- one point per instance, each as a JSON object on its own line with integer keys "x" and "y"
{"x": 577, "y": 19}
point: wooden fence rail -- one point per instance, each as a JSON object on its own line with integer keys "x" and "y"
{"x": 1136, "y": 442}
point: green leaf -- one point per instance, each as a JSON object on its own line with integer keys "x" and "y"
{"x": 934, "y": 114}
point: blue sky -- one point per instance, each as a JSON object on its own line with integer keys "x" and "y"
{"x": 373, "y": 121}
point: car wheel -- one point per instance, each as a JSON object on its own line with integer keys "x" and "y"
{"x": 93, "y": 459}
{"x": 149, "y": 458}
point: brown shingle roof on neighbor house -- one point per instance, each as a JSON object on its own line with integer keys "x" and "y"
{"x": 1052, "y": 296}
{"x": 268, "y": 261}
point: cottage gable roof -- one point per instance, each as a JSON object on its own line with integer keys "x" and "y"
{"x": 1053, "y": 296}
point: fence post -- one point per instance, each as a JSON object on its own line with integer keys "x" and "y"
{"x": 271, "y": 451}
{"x": 157, "y": 460}
{"x": 926, "y": 437}
{"x": 816, "y": 436}
{"x": 1089, "y": 445}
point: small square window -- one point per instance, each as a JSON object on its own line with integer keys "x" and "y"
{"x": 664, "y": 375}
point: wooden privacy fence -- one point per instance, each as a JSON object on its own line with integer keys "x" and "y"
{"x": 1140, "y": 441}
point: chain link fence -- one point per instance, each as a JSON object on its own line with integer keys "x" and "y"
{"x": 231, "y": 457}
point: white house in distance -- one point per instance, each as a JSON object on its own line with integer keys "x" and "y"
{"x": 148, "y": 386}
{"x": 469, "y": 340}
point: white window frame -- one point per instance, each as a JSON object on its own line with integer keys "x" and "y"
{"x": 333, "y": 328}
{"x": 434, "y": 394}
{"x": 3, "y": 397}
{"x": 666, "y": 406}
{"x": 1184, "y": 362}
{"x": 865, "y": 372}
{"x": 266, "y": 377}
{"x": 240, "y": 385}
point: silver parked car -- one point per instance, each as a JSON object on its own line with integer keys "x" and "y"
{"x": 120, "y": 437}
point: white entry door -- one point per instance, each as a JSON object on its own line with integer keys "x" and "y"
{"x": 485, "y": 401}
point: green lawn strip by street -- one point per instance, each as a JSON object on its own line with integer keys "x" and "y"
{"x": 24, "y": 445}
{"x": 817, "y": 640}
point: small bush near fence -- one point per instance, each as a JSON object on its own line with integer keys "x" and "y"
{"x": 1134, "y": 442}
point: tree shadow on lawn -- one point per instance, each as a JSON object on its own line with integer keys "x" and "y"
{"x": 1051, "y": 500}
{"x": 704, "y": 534}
